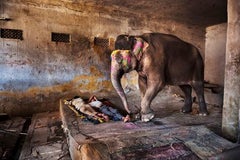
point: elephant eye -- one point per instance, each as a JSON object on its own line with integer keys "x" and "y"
{"x": 121, "y": 72}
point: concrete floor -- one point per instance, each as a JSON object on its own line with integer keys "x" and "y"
{"x": 41, "y": 133}
{"x": 167, "y": 107}
{"x": 126, "y": 140}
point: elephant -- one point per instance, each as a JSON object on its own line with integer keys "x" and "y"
{"x": 160, "y": 60}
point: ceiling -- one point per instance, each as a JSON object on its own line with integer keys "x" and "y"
{"x": 199, "y": 12}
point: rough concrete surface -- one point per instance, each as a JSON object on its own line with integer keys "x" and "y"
{"x": 138, "y": 140}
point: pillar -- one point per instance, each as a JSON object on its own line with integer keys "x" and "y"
{"x": 231, "y": 118}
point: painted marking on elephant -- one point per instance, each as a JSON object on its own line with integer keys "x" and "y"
{"x": 126, "y": 61}
{"x": 113, "y": 60}
{"x": 138, "y": 47}
{"x": 112, "y": 68}
{"x": 113, "y": 54}
{"x": 126, "y": 58}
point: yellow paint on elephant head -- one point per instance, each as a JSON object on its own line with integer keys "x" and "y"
{"x": 122, "y": 57}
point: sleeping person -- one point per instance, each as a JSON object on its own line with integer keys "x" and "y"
{"x": 85, "y": 108}
{"x": 108, "y": 110}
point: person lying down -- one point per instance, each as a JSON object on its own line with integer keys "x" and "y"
{"x": 108, "y": 110}
{"x": 80, "y": 105}
{"x": 105, "y": 113}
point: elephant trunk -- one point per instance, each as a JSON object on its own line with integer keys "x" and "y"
{"x": 115, "y": 78}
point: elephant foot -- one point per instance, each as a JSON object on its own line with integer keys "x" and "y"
{"x": 203, "y": 109}
{"x": 147, "y": 117}
{"x": 135, "y": 117}
{"x": 186, "y": 109}
{"x": 203, "y": 113}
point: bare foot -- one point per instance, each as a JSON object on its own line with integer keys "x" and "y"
{"x": 92, "y": 98}
{"x": 126, "y": 119}
{"x": 103, "y": 116}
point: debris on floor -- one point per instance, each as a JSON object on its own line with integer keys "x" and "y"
{"x": 45, "y": 139}
{"x": 10, "y": 132}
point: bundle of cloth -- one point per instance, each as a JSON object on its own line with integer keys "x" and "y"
{"x": 95, "y": 110}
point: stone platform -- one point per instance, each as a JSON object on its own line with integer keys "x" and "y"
{"x": 158, "y": 139}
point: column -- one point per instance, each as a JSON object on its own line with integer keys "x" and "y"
{"x": 231, "y": 118}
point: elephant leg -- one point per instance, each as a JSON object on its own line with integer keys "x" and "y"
{"x": 199, "y": 89}
{"x": 142, "y": 83}
{"x": 187, "y": 90}
{"x": 151, "y": 92}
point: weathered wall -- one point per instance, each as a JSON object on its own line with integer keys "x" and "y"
{"x": 215, "y": 49}
{"x": 36, "y": 72}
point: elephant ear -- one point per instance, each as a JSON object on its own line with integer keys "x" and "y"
{"x": 139, "y": 47}
{"x": 145, "y": 46}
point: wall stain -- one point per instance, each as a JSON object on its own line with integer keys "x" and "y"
{"x": 92, "y": 82}
{"x": 38, "y": 99}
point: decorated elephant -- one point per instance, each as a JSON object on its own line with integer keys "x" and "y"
{"x": 160, "y": 59}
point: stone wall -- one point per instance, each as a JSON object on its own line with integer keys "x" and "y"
{"x": 215, "y": 49}
{"x": 36, "y": 72}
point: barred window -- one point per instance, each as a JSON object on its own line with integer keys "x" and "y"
{"x": 11, "y": 33}
{"x": 102, "y": 42}
{"x": 60, "y": 37}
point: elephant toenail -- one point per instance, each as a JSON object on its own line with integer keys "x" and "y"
{"x": 203, "y": 114}
{"x": 147, "y": 117}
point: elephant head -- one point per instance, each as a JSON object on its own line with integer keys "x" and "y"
{"x": 125, "y": 59}
{"x": 137, "y": 45}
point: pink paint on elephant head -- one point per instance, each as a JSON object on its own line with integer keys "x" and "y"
{"x": 125, "y": 61}
{"x": 138, "y": 47}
